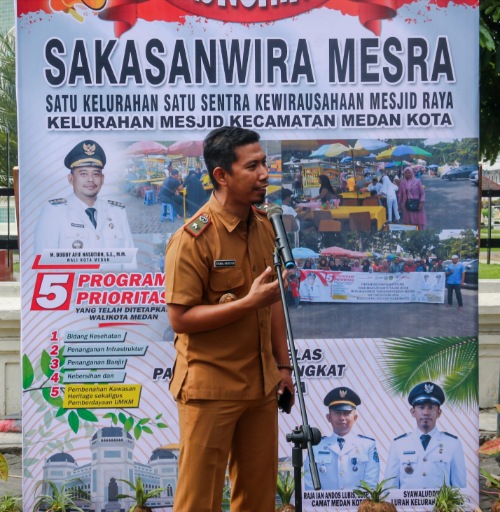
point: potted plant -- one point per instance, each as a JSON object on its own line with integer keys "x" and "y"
{"x": 141, "y": 497}
{"x": 493, "y": 482}
{"x": 11, "y": 503}
{"x": 285, "y": 488}
{"x": 60, "y": 500}
{"x": 449, "y": 499}
{"x": 374, "y": 497}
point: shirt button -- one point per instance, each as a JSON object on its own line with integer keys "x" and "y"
{"x": 98, "y": 237}
{"x": 424, "y": 474}
{"x": 425, "y": 460}
{"x": 341, "y": 473}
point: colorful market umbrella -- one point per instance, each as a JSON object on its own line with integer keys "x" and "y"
{"x": 145, "y": 148}
{"x": 363, "y": 148}
{"x": 403, "y": 151}
{"x": 303, "y": 252}
{"x": 370, "y": 144}
{"x": 421, "y": 153}
{"x": 340, "y": 251}
{"x": 187, "y": 148}
{"x": 366, "y": 158}
{"x": 329, "y": 150}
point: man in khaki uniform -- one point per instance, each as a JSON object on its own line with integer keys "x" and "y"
{"x": 232, "y": 356}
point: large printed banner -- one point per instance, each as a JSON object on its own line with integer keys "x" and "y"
{"x": 331, "y": 86}
{"x": 326, "y": 286}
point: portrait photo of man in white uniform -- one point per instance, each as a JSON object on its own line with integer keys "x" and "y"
{"x": 83, "y": 220}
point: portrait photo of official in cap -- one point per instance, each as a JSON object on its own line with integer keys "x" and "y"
{"x": 426, "y": 457}
{"x": 344, "y": 458}
{"x": 83, "y": 220}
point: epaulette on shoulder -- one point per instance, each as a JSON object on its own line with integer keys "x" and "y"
{"x": 400, "y": 437}
{"x": 58, "y": 201}
{"x": 366, "y": 437}
{"x": 451, "y": 435}
{"x": 196, "y": 226}
{"x": 261, "y": 208}
{"x": 116, "y": 203}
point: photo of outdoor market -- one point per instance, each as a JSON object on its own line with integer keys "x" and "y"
{"x": 358, "y": 243}
{"x": 374, "y": 185}
{"x": 331, "y": 186}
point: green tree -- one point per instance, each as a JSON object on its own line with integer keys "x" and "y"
{"x": 419, "y": 243}
{"x": 8, "y": 107}
{"x": 489, "y": 40}
{"x": 465, "y": 246}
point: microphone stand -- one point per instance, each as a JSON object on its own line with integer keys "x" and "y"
{"x": 305, "y": 436}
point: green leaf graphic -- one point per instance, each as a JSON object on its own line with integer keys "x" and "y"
{"x": 129, "y": 423}
{"x": 28, "y": 372}
{"x": 57, "y": 401}
{"x": 137, "y": 432}
{"x": 449, "y": 361}
{"x": 73, "y": 421}
{"x": 86, "y": 415}
{"x": 112, "y": 416}
{"x": 45, "y": 364}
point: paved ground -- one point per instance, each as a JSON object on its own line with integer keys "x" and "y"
{"x": 386, "y": 320}
{"x": 441, "y": 195}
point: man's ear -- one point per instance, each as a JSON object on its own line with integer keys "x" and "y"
{"x": 220, "y": 176}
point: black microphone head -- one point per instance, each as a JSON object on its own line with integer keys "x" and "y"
{"x": 274, "y": 209}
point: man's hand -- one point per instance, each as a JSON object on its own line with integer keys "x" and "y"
{"x": 286, "y": 382}
{"x": 265, "y": 291}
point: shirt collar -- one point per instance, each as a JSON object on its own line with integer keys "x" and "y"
{"x": 227, "y": 218}
{"x": 432, "y": 433}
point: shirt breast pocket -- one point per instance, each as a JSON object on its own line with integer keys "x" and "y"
{"x": 360, "y": 459}
{"x": 323, "y": 457}
{"x": 408, "y": 461}
{"x": 441, "y": 459}
{"x": 226, "y": 280}
{"x": 73, "y": 231}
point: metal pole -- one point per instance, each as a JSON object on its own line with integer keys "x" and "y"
{"x": 488, "y": 245}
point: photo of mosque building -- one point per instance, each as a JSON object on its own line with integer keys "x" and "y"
{"x": 112, "y": 450}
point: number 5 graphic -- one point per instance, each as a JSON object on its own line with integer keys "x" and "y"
{"x": 52, "y": 291}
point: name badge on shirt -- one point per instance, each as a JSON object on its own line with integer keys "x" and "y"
{"x": 224, "y": 263}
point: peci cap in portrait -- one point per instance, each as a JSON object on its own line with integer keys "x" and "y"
{"x": 426, "y": 392}
{"x": 87, "y": 153}
{"x": 342, "y": 399}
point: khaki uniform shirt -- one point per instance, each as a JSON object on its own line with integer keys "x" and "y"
{"x": 235, "y": 361}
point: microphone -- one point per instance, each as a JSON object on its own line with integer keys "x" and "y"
{"x": 274, "y": 214}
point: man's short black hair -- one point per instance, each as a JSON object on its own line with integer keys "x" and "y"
{"x": 219, "y": 148}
